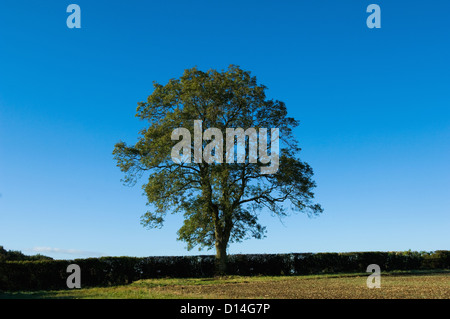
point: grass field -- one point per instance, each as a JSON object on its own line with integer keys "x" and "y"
{"x": 397, "y": 285}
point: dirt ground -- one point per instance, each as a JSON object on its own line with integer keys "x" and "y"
{"x": 396, "y": 287}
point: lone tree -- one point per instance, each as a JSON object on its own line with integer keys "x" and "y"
{"x": 220, "y": 199}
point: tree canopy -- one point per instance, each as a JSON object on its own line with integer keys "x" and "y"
{"x": 15, "y": 255}
{"x": 220, "y": 200}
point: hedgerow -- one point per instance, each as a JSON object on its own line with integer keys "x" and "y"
{"x": 107, "y": 271}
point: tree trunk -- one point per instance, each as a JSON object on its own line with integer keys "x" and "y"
{"x": 221, "y": 257}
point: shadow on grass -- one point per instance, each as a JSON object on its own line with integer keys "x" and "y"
{"x": 32, "y": 295}
{"x": 417, "y": 272}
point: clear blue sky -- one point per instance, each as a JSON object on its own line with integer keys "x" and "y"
{"x": 374, "y": 106}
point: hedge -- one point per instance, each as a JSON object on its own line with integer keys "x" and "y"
{"x": 107, "y": 271}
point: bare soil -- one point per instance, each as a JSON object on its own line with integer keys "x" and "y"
{"x": 395, "y": 287}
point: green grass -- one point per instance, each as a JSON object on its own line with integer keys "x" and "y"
{"x": 398, "y": 284}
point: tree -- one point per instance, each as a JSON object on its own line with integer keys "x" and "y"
{"x": 15, "y": 255}
{"x": 220, "y": 200}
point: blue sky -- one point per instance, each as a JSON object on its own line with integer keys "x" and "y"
{"x": 374, "y": 107}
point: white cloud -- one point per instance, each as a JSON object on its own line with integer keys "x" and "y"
{"x": 50, "y": 250}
